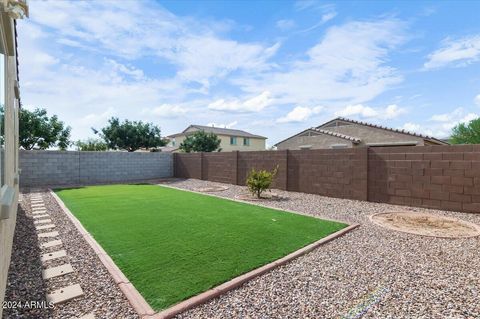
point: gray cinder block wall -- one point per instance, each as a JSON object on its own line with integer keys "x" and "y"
{"x": 42, "y": 168}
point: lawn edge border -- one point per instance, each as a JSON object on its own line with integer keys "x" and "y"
{"x": 240, "y": 280}
{"x": 139, "y": 304}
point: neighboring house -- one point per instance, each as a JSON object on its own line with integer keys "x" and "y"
{"x": 346, "y": 133}
{"x": 232, "y": 140}
{"x": 10, "y": 99}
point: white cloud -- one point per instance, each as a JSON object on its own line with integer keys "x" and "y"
{"x": 113, "y": 27}
{"x": 458, "y": 52}
{"x": 254, "y": 104}
{"x": 359, "y": 109}
{"x": 300, "y": 114}
{"x": 389, "y": 112}
{"x": 441, "y": 125}
{"x": 328, "y": 16}
{"x": 411, "y": 127}
{"x": 285, "y": 24}
{"x": 392, "y": 111}
{"x": 165, "y": 110}
{"x": 93, "y": 119}
{"x": 348, "y": 66}
{"x": 448, "y": 117}
{"x": 228, "y": 125}
{"x": 477, "y": 100}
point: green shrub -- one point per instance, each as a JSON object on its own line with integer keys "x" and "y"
{"x": 259, "y": 181}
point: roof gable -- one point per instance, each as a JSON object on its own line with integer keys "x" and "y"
{"x": 353, "y": 139}
{"x": 346, "y": 121}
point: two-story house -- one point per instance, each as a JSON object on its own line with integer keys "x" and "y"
{"x": 231, "y": 139}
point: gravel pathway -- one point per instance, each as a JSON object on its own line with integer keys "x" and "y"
{"x": 101, "y": 296}
{"x": 371, "y": 271}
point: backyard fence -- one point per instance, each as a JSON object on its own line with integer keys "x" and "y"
{"x": 444, "y": 177}
{"x": 42, "y": 168}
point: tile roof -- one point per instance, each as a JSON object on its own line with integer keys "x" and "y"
{"x": 383, "y": 128}
{"x": 350, "y": 138}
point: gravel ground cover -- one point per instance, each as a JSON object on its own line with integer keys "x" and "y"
{"x": 25, "y": 283}
{"x": 372, "y": 271}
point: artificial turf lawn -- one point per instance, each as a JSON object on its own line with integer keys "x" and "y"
{"x": 173, "y": 244}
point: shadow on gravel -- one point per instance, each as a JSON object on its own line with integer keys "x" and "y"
{"x": 26, "y": 291}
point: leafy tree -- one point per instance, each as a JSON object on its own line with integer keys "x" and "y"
{"x": 38, "y": 131}
{"x": 131, "y": 135}
{"x": 200, "y": 141}
{"x": 91, "y": 145}
{"x": 259, "y": 181}
{"x": 466, "y": 133}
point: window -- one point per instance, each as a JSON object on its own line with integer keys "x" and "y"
{"x": 173, "y": 142}
{"x": 233, "y": 140}
{"x": 246, "y": 141}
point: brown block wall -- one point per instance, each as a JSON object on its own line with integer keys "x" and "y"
{"x": 267, "y": 160}
{"x": 187, "y": 165}
{"x": 338, "y": 173}
{"x": 444, "y": 177}
{"x": 220, "y": 167}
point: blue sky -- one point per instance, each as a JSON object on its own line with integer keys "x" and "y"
{"x": 272, "y": 68}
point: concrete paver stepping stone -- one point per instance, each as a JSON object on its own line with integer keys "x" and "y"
{"x": 49, "y": 234}
{"x": 57, "y": 271}
{"x": 51, "y": 243}
{"x": 40, "y": 211}
{"x": 42, "y": 221}
{"x": 42, "y": 227}
{"x": 38, "y": 216}
{"x": 53, "y": 255}
{"x": 38, "y": 205}
{"x": 64, "y": 294}
{"x": 88, "y": 316}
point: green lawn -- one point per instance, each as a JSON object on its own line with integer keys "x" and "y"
{"x": 173, "y": 244}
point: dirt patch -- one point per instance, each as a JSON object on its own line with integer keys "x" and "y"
{"x": 265, "y": 196}
{"x": 211, "y": 189}
{"x": 426, "y": 224}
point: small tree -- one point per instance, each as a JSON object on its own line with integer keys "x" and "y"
{"x": 38, "y": 131}
{"x": 466, "y": 133}
{"x": 91, "y": 145}
{"x": 131, "y": 135}
{"x": 200, "y": 141}
{"x": 259, "y": 181}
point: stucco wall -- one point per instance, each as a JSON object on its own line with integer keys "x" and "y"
{"x": 41, "y": 168}
{"x": 375, "y": 135}
{"x": 365, "y": 133}
{"x": 256, "y": 144}
{"x": 318, "y": 141}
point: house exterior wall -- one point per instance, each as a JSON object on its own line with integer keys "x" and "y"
{"x": 9, "y": 97}
{"x": 318, "y": 141}
{"x": 374, "y": 135}
{"x": 256, "y": 144}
